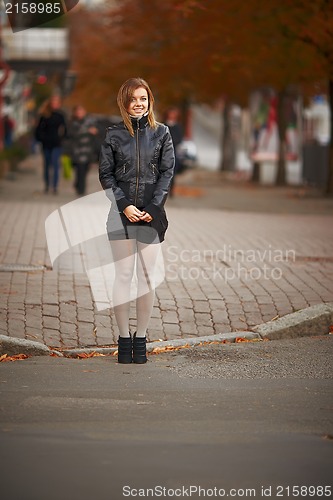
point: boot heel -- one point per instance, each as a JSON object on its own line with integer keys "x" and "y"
{"x": 139, "y": 350}
{"x": 125, "y": 350}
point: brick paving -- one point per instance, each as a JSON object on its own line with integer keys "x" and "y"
{"x": 227, "y": 269}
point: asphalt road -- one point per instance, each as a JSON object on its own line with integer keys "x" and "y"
{"x": 235, "y": 417}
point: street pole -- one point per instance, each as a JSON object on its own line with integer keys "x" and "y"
{"x": 6, "y": 70}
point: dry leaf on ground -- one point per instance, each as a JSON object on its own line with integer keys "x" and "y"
{"x": 85, "y": 355}
{"x": 158, "y": 350}
{"x": 17, "y": 357}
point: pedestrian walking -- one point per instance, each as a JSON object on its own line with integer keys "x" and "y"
{"x": 177, "y": 135}
{"x": 50, "y": 132}
{"x": 8, "y": 131}
{"x": 136, "y": 169}
{"x": 80, "y": 144}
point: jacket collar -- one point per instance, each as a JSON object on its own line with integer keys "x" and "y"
{"x": 140, "y": 123}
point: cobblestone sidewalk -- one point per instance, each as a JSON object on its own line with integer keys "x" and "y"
{"x": 226, "y": 270}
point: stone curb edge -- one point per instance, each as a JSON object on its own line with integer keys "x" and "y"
{"x": 12, "y": 346}
{"x": 191, "y": 342}
{"x": 314, "y": 320}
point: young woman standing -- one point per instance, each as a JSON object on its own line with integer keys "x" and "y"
{"x": 136, "y": 169}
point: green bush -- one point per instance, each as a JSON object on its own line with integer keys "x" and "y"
{"x": 18, "y": 151}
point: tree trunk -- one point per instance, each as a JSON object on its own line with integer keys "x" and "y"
{"x": 255, "y": 171}
{"x": 185, "y": 106}
{"x": 227, "y": 145}
{"x": 281, "y": 170}
{"x": 329, "y": 186}
{"x": 282, "y": 128}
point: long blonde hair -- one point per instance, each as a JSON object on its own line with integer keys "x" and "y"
{"x": 45, "y": 109}
{"x": 124, "y": 98}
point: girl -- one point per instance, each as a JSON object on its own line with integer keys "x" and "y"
{"x": 136, "y": 168}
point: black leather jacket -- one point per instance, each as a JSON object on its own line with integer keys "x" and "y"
{"x": 138, "y": 169}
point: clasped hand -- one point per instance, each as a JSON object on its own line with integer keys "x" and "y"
{"x": 135, "y": 215}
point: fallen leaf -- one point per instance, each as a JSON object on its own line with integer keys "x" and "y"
{"x": 209, "y": 342}
{"x": 17, "y": 357}
{"x": 241, "y": 339}
{"x": 85, "y": 355}
{"x": 32, "y": 336}
{"x": 158, "y": 350}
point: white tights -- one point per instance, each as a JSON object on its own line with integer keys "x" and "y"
{"x": 127, "y": 253}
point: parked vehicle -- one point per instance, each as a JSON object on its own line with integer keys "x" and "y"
{"x": 187, "y": 154}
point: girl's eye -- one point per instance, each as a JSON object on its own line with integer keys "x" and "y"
{"x": 133, "y": 99}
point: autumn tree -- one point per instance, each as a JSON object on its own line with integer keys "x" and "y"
{"x": 310, "y": 24}
{"x": 240, "y": 46}
{"x": 284, "y": 44}
{"x": 131, "y": 38}
{"x": 193, "y": 49}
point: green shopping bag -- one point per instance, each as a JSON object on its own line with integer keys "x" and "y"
{"x": 67, "y": 168}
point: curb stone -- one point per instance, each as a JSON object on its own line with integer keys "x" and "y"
{"x": 314, "y": 320}
{"x": 192, "y": 341}
{"x": 73, "y": 353}
{"x": 12, "y": 346}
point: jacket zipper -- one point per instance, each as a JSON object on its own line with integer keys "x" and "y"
{"x": 137, "y": 164}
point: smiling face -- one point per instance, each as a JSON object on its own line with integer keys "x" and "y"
{"x": 138, "y": 105}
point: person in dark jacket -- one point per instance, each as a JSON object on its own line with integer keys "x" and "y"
{"x": 8, "y": 131}
{"x": 50, "y": 132}
{"x": 177, "y": 134}
{"x": 81, "y": 145}
{"x": 136, "y": 168}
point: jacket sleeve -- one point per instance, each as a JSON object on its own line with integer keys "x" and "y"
{"x": 40, "y": 130}
{"x": 166, "y": 169}
{"x": 107, "y": 175}
{"x": 64, "y": 129}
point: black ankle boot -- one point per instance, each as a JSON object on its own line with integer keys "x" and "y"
{"x": 139, "y": 349}
{"x": 125, "y": 350}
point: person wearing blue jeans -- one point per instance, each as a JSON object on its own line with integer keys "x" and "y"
{"x": 50, "y": 132}
{"x": 51, "y": 160}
